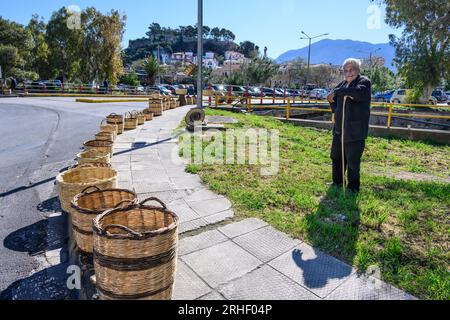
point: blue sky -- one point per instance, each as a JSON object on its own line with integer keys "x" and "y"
{"x": 275, "y": 24}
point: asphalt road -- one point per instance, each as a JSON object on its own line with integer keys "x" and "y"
{"x": 38, "y": 138}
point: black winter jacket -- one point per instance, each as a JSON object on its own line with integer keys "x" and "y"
{"x": 357, "y": 110}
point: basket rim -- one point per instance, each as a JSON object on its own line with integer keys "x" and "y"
{"x": 94, "y": 140}
{"x": 98, "y": 230}
{"x": 76, "y": 198}
{"x": 59, "y": 177}
{"x": 100, "y": 154}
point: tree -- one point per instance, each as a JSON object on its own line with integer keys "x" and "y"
{"x": 215, "y": 33}
{"x": 259, "y": 71}
{"x": 248, "y": 48}
{"x": 64, "y": 45}
{"x": 151, "y": 68}
{"x": 381, "y": 77}
{"x": 9, "y": 56}
{"x": 422, "y": 52}
{"x": 38, "y": 61}
{"x": 130, "y": 79}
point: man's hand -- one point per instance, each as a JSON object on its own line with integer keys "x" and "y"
{"x": 331, "y": 97}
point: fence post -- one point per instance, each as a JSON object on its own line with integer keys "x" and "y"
{"x": 389, "y": 116}
{"x": 217, "y": 101}
{"x": 210, "y": 97}
{"x": 288, "y": 109}
{"x": 261, "y": 94}
{"x": 273, "y": 99}
{"x": 284, "y": 95}
{"x": 249, "y": 104}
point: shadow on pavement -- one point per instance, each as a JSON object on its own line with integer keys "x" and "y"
{"x": 333, "y": 228}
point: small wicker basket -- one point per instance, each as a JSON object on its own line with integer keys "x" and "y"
{"x": 131, "y": 122}
{"x": 93, "y": 156}
{"x": 117, "y": 120}
{"x": 88, "y": 204}
{"x": 99, "y": 145}
{"x": 73, "y": 181}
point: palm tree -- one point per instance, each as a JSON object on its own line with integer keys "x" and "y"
{"x": 151, "y": 67}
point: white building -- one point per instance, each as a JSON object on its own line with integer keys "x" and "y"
{"x": 233, "y": 55}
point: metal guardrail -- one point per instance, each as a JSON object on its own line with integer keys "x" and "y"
{"x": 288, "y": 106}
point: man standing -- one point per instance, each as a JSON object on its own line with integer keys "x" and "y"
{"x": 356, "y": 126}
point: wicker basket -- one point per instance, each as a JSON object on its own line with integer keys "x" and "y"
{"x": 93, "y": 156}
{"x": 148, "y": 114}
{"x": 140, "y": 116}
{"x": 135, "y": 252}
{"x": 73, "y": 181}
{"x": 131, "y": 122}
{"x": 88, "y": 204}
{"x": 109, "y": 136}
{"x": 166, "y": 105}
{"x": 116, "y": 119}
{"x": 173, "y": 104}
{"x": 156, "y": 107}
{"x": 99, "y": 145}
{"x": 112, "y": 128}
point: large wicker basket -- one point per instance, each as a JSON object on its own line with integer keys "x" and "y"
{"x": 92, "y": 165}
{"x": 156, "y": 107}
{"x": 99, "y": 145}
{"x": 112, "y": 128}
{"x": 93, "y": 156}
{"x": 148, "y": 114}
{"x": 73, "y": 181}
{"x": 117, "y": 120}
{"x": 166, "y": 105}
{"x": 88, "y": 204}
{"x": 140, "y": 116}
{"x": 173, "y": 104}
{"x": 135, "y": 252}
{"x": 131, "y": 122}
{"x": 109, "y": 136}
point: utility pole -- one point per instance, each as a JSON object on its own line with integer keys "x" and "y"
{"x": 200, "y": 55}
{"x": 309, "y": 51}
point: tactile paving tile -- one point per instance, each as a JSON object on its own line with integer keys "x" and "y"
{"x": 199, "y": 242}
{"x": 238, "y": 228}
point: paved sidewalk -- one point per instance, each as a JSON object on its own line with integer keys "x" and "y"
{"x": 241, "y": 260}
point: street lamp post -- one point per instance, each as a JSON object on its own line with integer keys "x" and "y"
{"x": 309, "y": 51}
{"x": 200, "y": 55}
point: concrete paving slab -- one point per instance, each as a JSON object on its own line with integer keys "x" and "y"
{"x": 210, "y": 207}
{"x": 361, "y": 287}
{"x": 218, "y": 217}
{"x": 245, "y": 226}
{"x": 199, "y": 242}
{"x": 188, "y": 286}
{"x": 266, "y": 243}
{"x": 221, "y": 263}
{"x": 312, "y": 269}
{"x": 265, "y": 283}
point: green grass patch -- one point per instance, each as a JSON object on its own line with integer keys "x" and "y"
{"x": 401, "y": 226}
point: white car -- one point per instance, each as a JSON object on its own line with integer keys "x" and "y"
{"x": 399, "y": 96}
{"x": 318, "y": 93}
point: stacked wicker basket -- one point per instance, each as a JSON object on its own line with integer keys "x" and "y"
{"x": 134, "y": 245}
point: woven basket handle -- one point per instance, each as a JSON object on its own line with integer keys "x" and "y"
{"x": 113, "y": 114}
{"x": 87, "y": 188}
{"x": 104, "y": 120}
{"x": 154, "y": 199}
{"x": 119, "y": 226}
{"x": 130, "y": 202}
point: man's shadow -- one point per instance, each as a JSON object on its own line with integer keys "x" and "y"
{"x": 332, "y": 228}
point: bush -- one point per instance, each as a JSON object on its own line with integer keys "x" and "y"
{"x": 130, "y": 79}
{"x": 413, "y": 95}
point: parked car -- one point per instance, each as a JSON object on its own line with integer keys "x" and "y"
{"x": 256, "y": 92}
{"x": 399, "y": 96}
{"x": 320, "y": 94}
{"x": 440, "y": 95}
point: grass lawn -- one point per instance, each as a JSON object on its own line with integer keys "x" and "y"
{"x": 401, "y": 226}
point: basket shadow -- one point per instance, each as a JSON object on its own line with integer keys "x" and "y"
{"x": 48, "y": 284}
{"x": 45, "y": 235}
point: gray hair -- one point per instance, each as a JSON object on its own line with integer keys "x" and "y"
{"x": 356, "y": 63}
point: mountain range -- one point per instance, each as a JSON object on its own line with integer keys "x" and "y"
{"x": 336, "y": 51}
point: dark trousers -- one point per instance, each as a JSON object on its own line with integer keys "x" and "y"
{"x": 352, "y": 154}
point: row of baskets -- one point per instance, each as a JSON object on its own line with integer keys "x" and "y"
{"x": 134, "y": 245}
